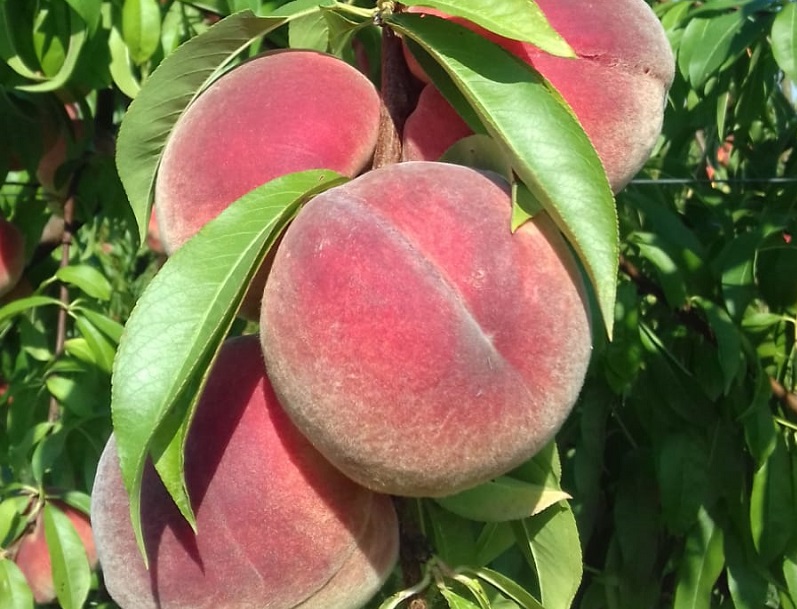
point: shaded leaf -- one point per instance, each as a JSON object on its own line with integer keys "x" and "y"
{"x": 701, "y": 564}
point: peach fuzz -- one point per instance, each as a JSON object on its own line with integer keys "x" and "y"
{"x": 12, "y": 256}
{"x": 33, "y": 556}
{"x": 278, "y": 526}
{"x": 618, "y": 84}
{"x": 421, "y": 345}
{"x": 280, "y": 112}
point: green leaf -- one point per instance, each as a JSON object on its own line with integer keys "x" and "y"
{"x": 179, "y": 322}
{"x": 112, "y": 329}
{"x": 772, "y": 505}
{"x": 454, "y": 600}
{"x": 502, "y": 499}
{"x": 701, "y": 564}
{"x": 506, "y": 586}
{"x": 517, "y": 19}
{"x": 22, "y": 305}
{"x": 558, "y": 163}
{"x": 103, "y": 349}
{"x": 309, "y": 32}
{"x": 14, "y": 590}
{"x": 729, "y": 342}
{"x": 494, "y": 539}
{"x": 120, "y": 66}
{"x": 709, "y": 43}
{"x": 452, "y": 536}
{"x": 683, "y": 477}
{"x": 747, "y": 583}
{"x": 71, "y": 571}
{"x": 86, "y": 278}
{"x": 77, "y": 38}
{"x": 169, "y": 90}
{"x": 89, "y": 10}
{"x": 141, "y": 28}
{"x": 784, "y": 39}
{"x": 12, "y": 524}
{"x": 552, "y": 548}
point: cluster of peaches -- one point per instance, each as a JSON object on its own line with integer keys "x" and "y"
{"x": 410, "y": 343}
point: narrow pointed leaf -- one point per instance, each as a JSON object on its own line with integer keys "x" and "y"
{"x": 784, "y": 40}
{"x": 141, "y": 28}
{"x": 86, "y": 278}
{"x": 701, "y": 565}
{"x": 70, "y": 565}
{"x": 77, "y": 38}
{"x": 14, "y": 590}
{"x": 552, "y": 547}
{"x": 517, "y": 19}
{"x": 178, "y": 324}
{"x": 548, "y": 148}
{"x": 169, "y": 91}
{"x": 505, "y": 586}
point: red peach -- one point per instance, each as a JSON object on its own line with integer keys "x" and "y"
{"x": 421, "y": 345}
{"x": 12, "y": 256}
{"x": 617, "y": 86}
{"x": 281, "y": 112}
{"x": 278, "y": 526}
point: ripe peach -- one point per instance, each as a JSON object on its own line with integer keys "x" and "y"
{"x": 281, "y": 112}
{"x": 432, "y": 128}
{"x": 420, "y": 344}
{"x": 12, "y": 256}
{"x": 278, "y": 526}
{"x": 33, "y": 556}
{"x": 617, "y": 86}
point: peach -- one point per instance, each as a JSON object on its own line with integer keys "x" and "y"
{"x": 278, "y": 526}
{"x": 12, "y": 256}
{"x": 58, "y": 139}
{"x": 432, "y": 128}
{"x": 421, "y": 345}
{"x": 33, "y": 556}
{"x": 281, "y": 112}
{"x": 617, "y": 86}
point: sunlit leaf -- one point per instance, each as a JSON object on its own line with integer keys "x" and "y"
{"x": 175, "y": 330}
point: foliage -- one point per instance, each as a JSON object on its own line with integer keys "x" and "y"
{"x": 679, "y": 459}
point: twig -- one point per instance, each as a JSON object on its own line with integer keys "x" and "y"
{"x": 399, "y": 95}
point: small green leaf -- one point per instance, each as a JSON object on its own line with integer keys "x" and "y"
{"x": 451, "y": 535}
{"x": 502, "y": 499}
{"x": 25, "y": 304}
{"x": 89, "y": 10}
{"x": 178, "y": 324}
{"x": 506, "y": 586}
{"x": 14, "y": 590}
{"x": 454, "y": 600}
{"x": 12, "y": 523}
{"x": 103, "y": 349}
{"x": 141, "y": 28}
{"x": 86, "y": 278}
{"x": 772, "y": 505}
{"x": 71, "y": 571}
{"x": 120, "y": 66}
{"x": 548, "y": 148}
{"x": 784, "y": 39}
{"x": 77, "y": 38}
{"x": 729, "y": 342}
{"x": 701, "y": 564}
{"x": 170, "y": 89}
{"x": 517, "y": 19}
{"x": 551, "y": 545}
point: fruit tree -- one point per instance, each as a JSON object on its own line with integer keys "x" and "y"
{"x": 365, "y": 304}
